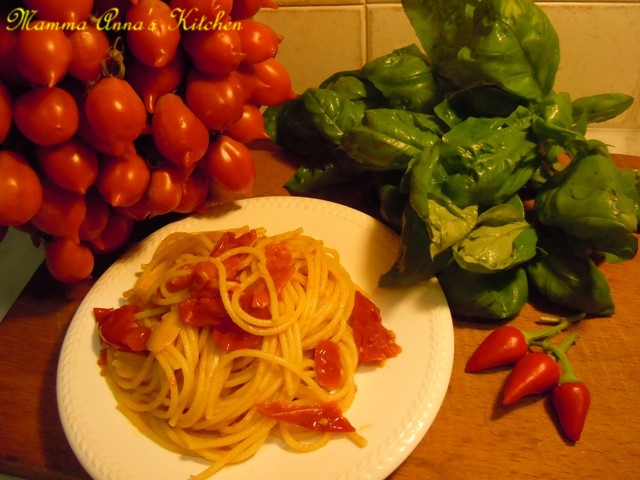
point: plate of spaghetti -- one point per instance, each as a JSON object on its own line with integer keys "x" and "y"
{"x": 255, "y": 340}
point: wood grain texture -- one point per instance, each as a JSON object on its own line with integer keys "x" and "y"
{"x": 473, "y": 436}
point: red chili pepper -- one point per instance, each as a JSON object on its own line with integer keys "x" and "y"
{"x": 503, "y": 346}
{"x": 507, "y": 344}
{"x": 571, "y": 398}
{"x": 534, "y": 373}
{"x": 571, "y": 401}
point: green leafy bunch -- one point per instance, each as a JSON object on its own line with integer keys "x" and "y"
{"x": 481, "y": 166}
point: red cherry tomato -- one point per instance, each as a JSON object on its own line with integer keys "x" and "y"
{"x": 68, "y": 261}
{"x": 165, "y": 190}
{"x": 115, "y": 113}
{"x": 245, "y": 75}
{"x": 259, "y": 41}
{"x": 20, "y": 189}
{"x": 157, "y": 42}
{"x": 139, "y": 211}
{"x": 61, "y": 10}
{"x": 248, "y": 8}
{"x": 9, "y": 54}
{"x": 218, "y": 102}
{"x": 61, "y": 213}
{"x": 95, "y": 219}
{"x": 123, "y": 180}
{"x": 90, "y": 49}
{"x": 46, "y": 116}
{"x": 274, "y": 83}
{"x": 230, "y": 164}
{"x": 249, "y": 127}
{"x": 214, "y": 52}
{"x": 113, "y": 10}
{"x": 6, "y": 111}
{"x": 89, "y": 136}
{"x": 153, "y": 82}
{"x": 115, "y": 234}
{"x": 44, "y": 55}
{"x": 195, "y": 189}
{"x": 178, "y": 134}
{"x": 71, "y": 165}
{"x": 191, "y": 13}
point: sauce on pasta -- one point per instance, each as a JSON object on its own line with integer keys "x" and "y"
{"x": 229, "y": 337}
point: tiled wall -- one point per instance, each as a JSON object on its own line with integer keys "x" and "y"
{"x": 599, "y": 43}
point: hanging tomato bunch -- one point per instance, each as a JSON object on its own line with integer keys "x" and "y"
{"x": 115, "y": 111}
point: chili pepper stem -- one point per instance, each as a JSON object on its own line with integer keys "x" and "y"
{"x": 560, "y": 324}
{"x": 559, "y": 351}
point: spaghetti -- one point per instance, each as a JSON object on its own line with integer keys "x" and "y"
{"x": 228, "y": 337}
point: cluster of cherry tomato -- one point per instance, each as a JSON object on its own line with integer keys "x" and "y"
{"x": 546, "y": 370}
{"x": 115, "y": 111}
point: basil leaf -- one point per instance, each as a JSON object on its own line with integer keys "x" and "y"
{"x": 413, "y": 263}
{"x": 288, "y": 126}
{"x": 317, "y": 174}
{"x": 389, "y": 139}
{"x": 501, "y": 240}
{"x": 587, "y": 201}
{"x": 486, "y": 160}
{"x": 447, "y": 223}
{"x": 331, "y": 113}
{"x": 567, "y": 276}
{"x": 600, "y": 107}
{"x": 405, "y": 78}
{"x": 554, "y": 120}
{"x": 509, "y": 43}
{"x": 497, "y": 295}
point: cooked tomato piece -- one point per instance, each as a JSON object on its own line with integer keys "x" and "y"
{"x": 204, "y": 276}
{"x": 229, "y": 240}
{"x": 175, "y": 284}
{"x": 323, "y": 417}
{"x": 280, "y": 268}
{"x": 226, "y": 242}
{"x": 278, "y": 256}
{"x": 328, "y": 364}
{"x": 231, "y": 337}
{"x": 375, "y": 343}
{"x": 118, "y": 327}
{"x": 203, "y": 311}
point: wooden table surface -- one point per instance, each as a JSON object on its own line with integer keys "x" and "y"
{"x": 472, "y": 437}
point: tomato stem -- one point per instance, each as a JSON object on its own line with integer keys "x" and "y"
{"x": 113, "y": 65}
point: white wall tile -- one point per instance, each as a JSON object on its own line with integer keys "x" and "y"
{"x": 316, "y": 3}
{"x": 600, "y": 51}
{"x": 388, "y": 28}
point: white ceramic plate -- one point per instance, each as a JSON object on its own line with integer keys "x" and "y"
{"x": 395, "y": 404}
